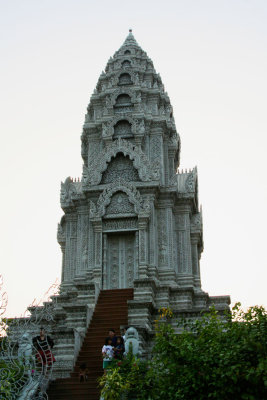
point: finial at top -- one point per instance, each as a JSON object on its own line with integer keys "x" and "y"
{"x": 130, "y": 40}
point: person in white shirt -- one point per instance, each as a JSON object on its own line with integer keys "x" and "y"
{"x": 107, "y": 353}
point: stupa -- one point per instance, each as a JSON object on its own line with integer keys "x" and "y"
{"x": 133, "y": 220}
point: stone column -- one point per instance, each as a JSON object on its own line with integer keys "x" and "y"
{"x": 156, "y": 149}
{"x": 104, "y": 278}
{"x": 166, "y": 241}
{"x": 136, "y": 258}
{"x": 63, "y": 249}
{"x": 185, "y": 274}
{"x": 82, "y": 241}
{"x": 153, "y": 248}
{"x": 171, "y": 157}
{"x": 143, "y": 247}
{"x": 97, "y": 270}
{"x": 71, "y": 247}
{"x": 195, "y": 260}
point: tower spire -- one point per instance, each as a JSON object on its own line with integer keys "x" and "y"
{"x": 130, "y": 40}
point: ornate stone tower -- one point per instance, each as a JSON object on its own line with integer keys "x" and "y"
{"x": 133, "y": 220}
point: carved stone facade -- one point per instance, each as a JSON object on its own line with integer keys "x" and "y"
{"x": 133, "y": 220}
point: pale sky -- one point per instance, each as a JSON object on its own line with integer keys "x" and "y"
{"x": 212, "y": 58}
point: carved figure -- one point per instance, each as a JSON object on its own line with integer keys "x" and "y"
{"x": 132, "y": 341}
{"x": 84, "y": 259}
{"x": 108, "y": 101}
{"x": 25, "y": 354}
{"x": 141, "y": 127}
{"x": 105, "y": 130}
{"x": 136, "y": 79}
{"x": 25, "y": 348}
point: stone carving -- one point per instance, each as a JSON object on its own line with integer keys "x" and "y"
{"x": 141, "y": 127}
{"x": 98, "y": 248}
{"x": 25, "y": 348}
{"x": 105, "y": 130}
{"x": 125, "y": 79}
{"x": 162, "y": 238}
{"x": 93, "y": 211}
{"x": 142, "y": 246}
{"x": 173, "y": 141}
{"x": 84, "y": 150}
{"x": 120, "y": 167}
{"x": 109, "y": 102}
{"x": 132, "y": 341}
{"x": 125, "y": 64}
{"x": 122, "y": 186}
{"x": 120, "y": 224}
{"x": 127, "y": 91}
{"x": 156, "y": 147}
{"x": 68, "y": 192}
{"x": 136, "y": 79}
{"x": 190, "y": 183}
{"x": 119, "y": 204}
{"x": 146, "y": 170}
{"x": 123, "y": 129}
{"x": 25, "y": 354}
{"x": 61, "y": 233}
{"x": 196, "y": 222}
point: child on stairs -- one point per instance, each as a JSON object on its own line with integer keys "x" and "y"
{"x": 107, "y": 353}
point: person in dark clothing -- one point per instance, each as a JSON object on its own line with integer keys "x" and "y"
{"x": 111, "y": 333}
{"x": 43, "y": 345}
{"x": 119, "y": 348}
{"x": 83, "y": 373}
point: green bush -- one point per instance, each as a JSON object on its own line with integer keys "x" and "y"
{"x": 213, "y": 358}
{"x": 11, "y": 378}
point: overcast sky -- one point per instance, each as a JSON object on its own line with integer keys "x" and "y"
{"x": 212, "y": 59}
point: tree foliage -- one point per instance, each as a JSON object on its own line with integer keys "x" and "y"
{"x": 212, "y": 358}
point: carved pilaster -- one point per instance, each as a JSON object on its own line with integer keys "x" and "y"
{"x": 104, "y": 279}
{"x": 143, "y": 247}
{"x": 63, "y": 248}
{"x": 97, "y": 271}
{"x": 195, "y": 260}
{"x": 152, "y": 236}
{"x": 171, "y": 155}
{"x": 185, "y": 274}
{"x": 156, "y": 149}
{"x": 90, "y": 245}
{"x": 71, "y": 247}
{"x": 82, "y": 241}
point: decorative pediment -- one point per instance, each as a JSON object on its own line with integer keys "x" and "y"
{"x": 123, "y": 90}
{"x": 147, "y": 171}
{"x": 137, "y": 126}
{"x": 140, "y": 206}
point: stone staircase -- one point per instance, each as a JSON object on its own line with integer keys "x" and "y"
{"x": 111, "y": 311}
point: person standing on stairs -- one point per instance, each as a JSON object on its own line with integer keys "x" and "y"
{"x": 107, "y": 353}
{"x": 43, "y": 345}
{"x": 113, "y": 336}
{"x": 119, "y": 348}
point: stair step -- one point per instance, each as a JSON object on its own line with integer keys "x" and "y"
{"x": 111, "y": 312}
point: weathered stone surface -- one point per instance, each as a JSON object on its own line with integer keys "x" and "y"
{"x": 133, "y": 219}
